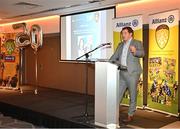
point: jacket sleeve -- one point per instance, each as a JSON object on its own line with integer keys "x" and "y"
{"x": 139, "y": 50}
{"x": 115, "y": 56}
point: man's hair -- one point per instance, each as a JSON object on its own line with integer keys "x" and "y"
{"x": 129, "y": 29}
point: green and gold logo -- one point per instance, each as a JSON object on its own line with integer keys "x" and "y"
{"x": 9, "y": 46}
{"x": 162, "y": 35}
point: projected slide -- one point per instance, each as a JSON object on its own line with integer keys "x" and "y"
{"x": 83, "y": 32}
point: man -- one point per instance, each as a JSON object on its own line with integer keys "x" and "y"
{"x": 154, "y": 86}
{"x": 127, "y": 57}
{"x": 167, "y": 91}
{"x": 14, "y": 81}
{"x": 175, "y": 87}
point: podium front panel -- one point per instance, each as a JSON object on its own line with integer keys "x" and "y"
{"x": 106, "y": 94}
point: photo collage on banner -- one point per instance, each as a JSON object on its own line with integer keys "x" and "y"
{"x": 163, "y": 61}
{"x": 9, "y": 61}
{"x": 135, "y": 22}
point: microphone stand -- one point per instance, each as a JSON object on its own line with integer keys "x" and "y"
{"x": 85, "y": 116}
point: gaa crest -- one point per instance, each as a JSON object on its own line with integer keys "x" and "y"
{"x": 162, "y": 35}
{"x": 9, "y": 46}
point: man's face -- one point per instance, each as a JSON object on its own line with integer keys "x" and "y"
{"x": 126, "y": 35}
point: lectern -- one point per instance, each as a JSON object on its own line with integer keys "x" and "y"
{"x": 106, "y": 94}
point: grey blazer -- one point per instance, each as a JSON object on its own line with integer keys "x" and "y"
{"x": 133, "y": 62}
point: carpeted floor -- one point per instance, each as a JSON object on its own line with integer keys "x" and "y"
{"x": 146, "y": 119}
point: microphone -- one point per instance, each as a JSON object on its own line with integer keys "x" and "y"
{"x": 105, "y": 44}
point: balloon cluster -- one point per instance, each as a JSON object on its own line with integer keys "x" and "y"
{"x": 34, "y": 37}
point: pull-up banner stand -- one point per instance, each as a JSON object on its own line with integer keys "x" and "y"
{"x": 163, "y": 62}
{"x": 135, "y": 22}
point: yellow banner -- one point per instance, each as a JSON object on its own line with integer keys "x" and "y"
{"x": 163, "y": 61}
{"x": 135, "y": 22}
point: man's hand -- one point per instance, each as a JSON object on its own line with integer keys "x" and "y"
{"x": 133, "y": 49}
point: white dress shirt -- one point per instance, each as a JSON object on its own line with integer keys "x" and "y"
{"x": 125, "y": 52}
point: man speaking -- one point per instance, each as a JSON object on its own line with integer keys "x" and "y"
{"x": 127, "y": 57}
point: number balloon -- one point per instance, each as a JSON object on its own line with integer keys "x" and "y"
{"x": 36, "y": 37}
{"x": 22, "y": 39}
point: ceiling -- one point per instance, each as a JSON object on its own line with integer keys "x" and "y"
{"x": 15, "y": 10}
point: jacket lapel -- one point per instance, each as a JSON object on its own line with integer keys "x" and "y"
{"x": 131, "y": 43}
{"x": 121, "y": 49}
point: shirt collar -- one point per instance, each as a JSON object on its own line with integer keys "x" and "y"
{"x": 128, "y": 42}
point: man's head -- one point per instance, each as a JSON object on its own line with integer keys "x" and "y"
{"x": 127, "y": 33}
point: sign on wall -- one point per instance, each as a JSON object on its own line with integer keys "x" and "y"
{"x": 163, "y": 61}
{"x": 135, "y": 22}
{"x": 9, "y": 59}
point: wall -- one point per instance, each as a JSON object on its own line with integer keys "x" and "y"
{"x": 146, "y": 7}
{"x": 51, "y": 72}
{"x": 49, "y": 25}
{"x": 68, "y": 76}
